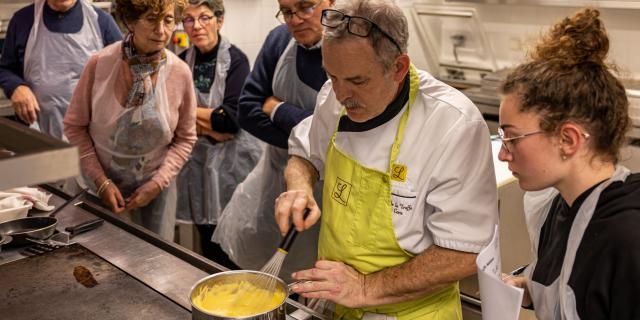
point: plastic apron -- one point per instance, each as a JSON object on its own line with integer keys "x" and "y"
{"x": 137, "y": 139}
{"x": 53, "y": 63}
{"x": 557, "y": 301}
{"x": 213, "y": 171}
{"x": 247, "y": 231}
{"x": 357, "y": 229}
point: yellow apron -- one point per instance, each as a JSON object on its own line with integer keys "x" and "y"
{"x": 357, "y": 228}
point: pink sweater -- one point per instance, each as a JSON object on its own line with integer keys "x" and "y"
{"x": 181, "y": 115}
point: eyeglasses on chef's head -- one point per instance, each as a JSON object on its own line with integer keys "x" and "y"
{"x": 303, "y": 9}
{"x": 358, "y": 26}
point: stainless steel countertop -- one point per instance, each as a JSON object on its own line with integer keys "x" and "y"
{"x": 5, "y": 107}
{"x": 165, "y": 267}
{"x": 165, "y": 273}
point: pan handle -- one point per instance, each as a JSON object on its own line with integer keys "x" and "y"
{"x": 73, "y": 199}
{"x": 84, "y": 227}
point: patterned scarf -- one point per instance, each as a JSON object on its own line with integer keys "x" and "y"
{"x": 142, "y": 67}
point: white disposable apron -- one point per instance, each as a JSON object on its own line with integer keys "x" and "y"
{"x": 53, "y": 63}
{"x": 213, "y": 171}
{"x": 557, "y": 301}
{"x": 247, "y": 230}
{"x": 130, "y": 142}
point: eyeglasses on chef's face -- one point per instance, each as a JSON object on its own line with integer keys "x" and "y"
{"x": 204, "y": 20}
{"x": 303, "y": 9}
{"x": 358, "y": 26}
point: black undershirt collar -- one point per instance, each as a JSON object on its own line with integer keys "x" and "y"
{"x": 208, "y": 56}
{"x": 347, "y": 125}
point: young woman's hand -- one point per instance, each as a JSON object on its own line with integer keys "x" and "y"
{"x": 518, "y": 282}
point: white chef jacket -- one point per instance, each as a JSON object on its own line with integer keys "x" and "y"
{"x": 449, "y": 197}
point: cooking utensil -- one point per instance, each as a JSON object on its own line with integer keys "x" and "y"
{"x": 72, "y": 200}
{"x": 274, "y": 265}
{"x": 63, "y": 239}
{"x": 235, "y": 277}
{"x": 83, "y": 227}
{"x": 30, "y": 227}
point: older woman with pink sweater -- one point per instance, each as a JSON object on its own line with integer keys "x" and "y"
{"x": 132, "y": 116}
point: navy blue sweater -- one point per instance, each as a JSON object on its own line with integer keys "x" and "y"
{"x": 12, "y": 60}
{"x": 227, "y": 121}
{"x": 259, "y": 84}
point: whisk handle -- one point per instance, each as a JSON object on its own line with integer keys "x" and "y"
{"x": 291, "y": 235}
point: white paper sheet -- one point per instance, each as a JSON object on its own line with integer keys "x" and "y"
{"x": 500, "y": 301}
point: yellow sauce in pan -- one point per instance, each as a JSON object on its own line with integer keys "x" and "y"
{"x": 239, "y": 299}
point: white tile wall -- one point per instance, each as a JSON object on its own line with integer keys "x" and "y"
{"x": 247, "y": 23}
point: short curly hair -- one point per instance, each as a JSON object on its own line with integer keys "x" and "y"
{"x": 128, "y": 11}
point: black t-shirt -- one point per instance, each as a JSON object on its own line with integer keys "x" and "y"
{"x": 204, "y": 69}
{"x": 605, "y": 277}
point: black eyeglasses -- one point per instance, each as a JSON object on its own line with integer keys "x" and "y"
{"x": 304, "y": 10}
{"x": 358, "y": 26}
{"x": 189, "y": 22}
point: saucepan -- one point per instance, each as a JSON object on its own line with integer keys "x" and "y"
{"x": 239, "y": 294}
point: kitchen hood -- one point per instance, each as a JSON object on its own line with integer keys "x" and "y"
{"x": 29, "y": 157}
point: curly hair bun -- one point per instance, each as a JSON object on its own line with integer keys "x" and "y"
{"x": 579, "y": 39}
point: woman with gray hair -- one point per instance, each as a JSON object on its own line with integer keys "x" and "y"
{"x": 223, "y": 155}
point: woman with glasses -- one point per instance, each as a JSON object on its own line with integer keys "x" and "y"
{"x": 279, "y": 93}
{"x": 563, "y": 121}
{"x": 223, "y": 155}
{"x": 132, "y": 117}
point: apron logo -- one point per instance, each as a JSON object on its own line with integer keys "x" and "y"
{"x": 341, "y": 191}
{"x": 399, "y": 172}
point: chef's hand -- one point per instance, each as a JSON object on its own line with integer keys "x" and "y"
{"x": 25, "y": 104}
{"x": 270, "y": 104}
{"x": 143, "y": 195}
{"x": 333, "y": 281}
{"x": 291, "y": 205}
{"x": 518, "y": 282}
{"x": 112, "y": 197}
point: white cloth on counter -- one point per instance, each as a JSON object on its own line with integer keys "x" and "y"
{"x": 15, "y": 203}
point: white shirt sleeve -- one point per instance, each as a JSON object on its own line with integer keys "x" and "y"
{"x": 311, "y": 137}
{"x": 275, "y": 109}
{"x": 462, "y": 190}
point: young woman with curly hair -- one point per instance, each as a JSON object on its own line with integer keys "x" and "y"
{"x": 563, "y": 120}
